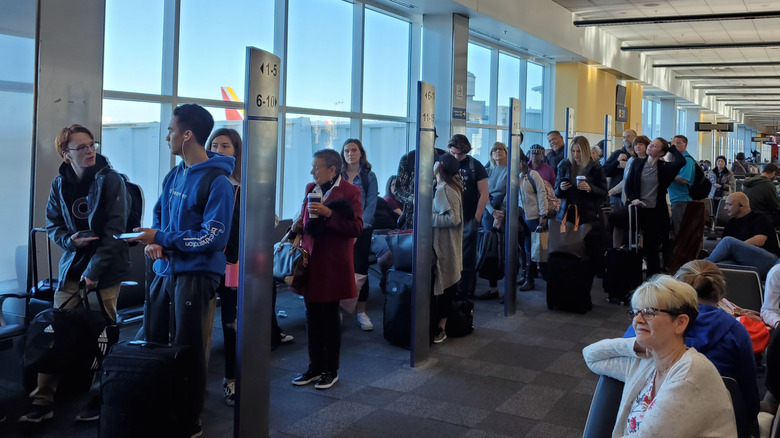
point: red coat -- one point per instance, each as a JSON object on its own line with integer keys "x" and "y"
{"x": 330, "y": 243}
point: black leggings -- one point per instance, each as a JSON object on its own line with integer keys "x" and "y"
{"x": 361, "y": 252}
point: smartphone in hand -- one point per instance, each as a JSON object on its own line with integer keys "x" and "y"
{"x": 85, "y": 234}
{"x": 124, "y": 236}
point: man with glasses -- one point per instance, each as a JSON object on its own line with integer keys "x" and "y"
{"x": 87, "y": 206}
{"x": 748, "y": 238}
{"x": 475, "y": 199}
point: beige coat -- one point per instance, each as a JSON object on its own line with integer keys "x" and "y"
{"x": 447, "y": 237}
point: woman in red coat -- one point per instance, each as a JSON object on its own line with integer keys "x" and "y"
{"x": 329, "y": 231}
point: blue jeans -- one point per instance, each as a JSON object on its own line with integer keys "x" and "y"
{"x": 733, "y": 250}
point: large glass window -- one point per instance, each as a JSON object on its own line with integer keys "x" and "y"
{"x": 478, "y": 85}
{"x": 508, "y": 85}
{"x": 534, "y": 95}
{"x": 131, "y": 139}
{"x": 385, "y": 65}
{"x": 213, "y": 41}
{"x": 385, "y": 143}
{"x": 480, "y": 143}
{"x": 304, "y": 135}
{"x": 319, "y": 54}
{"x": 16, "y": 130}
{"x": 133, "y": 46}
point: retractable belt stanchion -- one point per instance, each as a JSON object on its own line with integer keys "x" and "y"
{"x": 258, "y": 195}
{"x": 423, "y": 225}
{"x": 512, "y": 218}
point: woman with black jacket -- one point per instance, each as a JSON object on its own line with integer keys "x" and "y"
{"x": 646, "y": 187}
{"x": 587, "y": 194}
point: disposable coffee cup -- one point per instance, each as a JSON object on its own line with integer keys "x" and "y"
{"x": 314, "y": 197}
{"x": 580, "y": 179}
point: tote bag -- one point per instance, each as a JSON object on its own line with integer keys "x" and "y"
{"x": 567, "y": 237}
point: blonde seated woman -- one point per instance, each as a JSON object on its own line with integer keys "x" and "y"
{"x": 670, "y": 390}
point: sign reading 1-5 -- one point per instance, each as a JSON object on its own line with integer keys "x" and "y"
{"x": 267, "y": 100}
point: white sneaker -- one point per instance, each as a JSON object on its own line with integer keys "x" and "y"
{"x": 365, "y": 322}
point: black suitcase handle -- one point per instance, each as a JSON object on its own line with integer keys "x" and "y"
{"x": 34, "y": 256}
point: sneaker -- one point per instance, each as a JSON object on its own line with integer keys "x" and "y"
{"x": 528, "y": 285}
{"x": 229, "y": 393}
{"x": 285, "y": 338}
{"x": 306, "y": 378}
{"x": 326, "y": 380}
{"x": 365, "y": 322}
{"x": 90, "y": 411}
{"x": 489, "y": 294}
{"x": 37, "y": 413}
{"x": 441, "y": 335}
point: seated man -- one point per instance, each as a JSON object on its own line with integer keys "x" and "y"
{"x": 748, "y": 238}
{"x": 761, "y": 192}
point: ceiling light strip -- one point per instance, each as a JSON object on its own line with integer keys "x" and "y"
{"x": 711, "y": 77}
{"x": 700, "y": 46}
{"x": 716, "y": 64}
{"x": 677, "y": 19}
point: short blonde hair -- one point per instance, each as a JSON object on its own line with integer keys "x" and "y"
{"x": 496, "y": 145}
{"x": 664, "y": 292}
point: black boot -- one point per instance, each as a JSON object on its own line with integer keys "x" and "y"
{"x": 528, "y": 284}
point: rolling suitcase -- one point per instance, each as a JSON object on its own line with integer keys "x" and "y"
{"x": 147, "y": 390}
{"x": 568, "y": 283}
{"x": 623, "y": 271}
{"x": 397, "y": 323}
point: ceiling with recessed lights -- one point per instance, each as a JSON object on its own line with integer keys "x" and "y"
{"x": 730, "y": 49}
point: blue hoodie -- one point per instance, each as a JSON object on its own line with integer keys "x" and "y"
{"x": 194, "y": 234}
{"x": 726, "y": 343}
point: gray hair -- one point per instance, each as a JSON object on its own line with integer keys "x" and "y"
{"x": 331, "y": 159}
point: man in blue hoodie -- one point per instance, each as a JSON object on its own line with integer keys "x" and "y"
{"x": 190, "y": 229}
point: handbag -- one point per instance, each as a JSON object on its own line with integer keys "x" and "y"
{"x": 69, "y": 339}
{"x": 290, "y": 262}
{"x": 540, "y": 246}
{"x": 567, "y": 237}
{"x": 490, "y": 255}
{"x": 401, "y": 244}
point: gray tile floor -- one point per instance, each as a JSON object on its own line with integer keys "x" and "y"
{"x": 521, "y": 376}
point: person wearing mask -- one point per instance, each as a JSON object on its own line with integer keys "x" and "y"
{"x": 581, "y": 182}
{"x": 495, "y": 210}
{"x": 557, "y": 146}
{"x": 475, "y": 198}
{"x": 447, "y": 221}
{"x": 670, "y": 390}
{"x": 88, "y": 205}
{"x": 722, "y": 180}
{"x": 329, "y": 228}
{"x": 357, "y": 170}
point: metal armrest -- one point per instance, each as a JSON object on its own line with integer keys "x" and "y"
{"x": 5, "y": 296}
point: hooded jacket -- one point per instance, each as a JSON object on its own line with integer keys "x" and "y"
{"x": 762, "y": 194}
{"x": 726, "y": 343}
{"x": 192, "y": 231}
{"x": 106, "y": 260}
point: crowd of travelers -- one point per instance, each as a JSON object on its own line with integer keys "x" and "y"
{"x": 680, "y": 342}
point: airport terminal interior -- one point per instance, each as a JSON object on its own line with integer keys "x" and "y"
{"x": 705, "y": 69}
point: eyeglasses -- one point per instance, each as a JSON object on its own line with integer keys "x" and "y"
{"x": 648, "y": 313}
{"x": 498, "y": 150}
{"x": 83, "y": 148}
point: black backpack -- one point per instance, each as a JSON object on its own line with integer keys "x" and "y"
{"x": 701, "y": 184}
{"x": 136, "y": 197}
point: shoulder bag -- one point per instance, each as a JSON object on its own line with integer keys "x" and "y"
{"x": 567, "y": 237}
{"x": 291, "y": 262}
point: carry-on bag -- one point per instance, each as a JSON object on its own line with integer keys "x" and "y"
{"x": 490, "y": 254}
{"x": 623, "y": 271}
{"x": 568, "y": 237}
{"x": 397, "y": 321}
{"x": 42, "y": 290}
{"x": 61, "y": 340}
{"x": 147, "y": 390}
{"x": 569, "y": 280}
{"x": 461, "y": 319}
